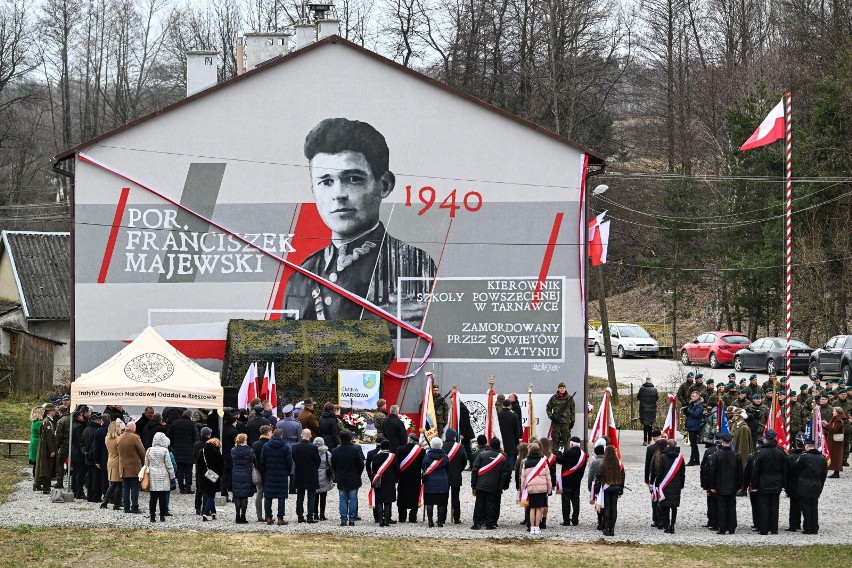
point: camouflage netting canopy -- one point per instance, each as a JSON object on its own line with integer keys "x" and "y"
{"x": 306, "y": 353}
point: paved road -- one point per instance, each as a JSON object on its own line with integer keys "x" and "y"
{"x": 667, "y": 371}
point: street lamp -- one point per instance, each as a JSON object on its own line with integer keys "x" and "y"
{"x": 610, "y": 366}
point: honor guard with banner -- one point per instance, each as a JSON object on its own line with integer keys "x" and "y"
{"x": 561, "y": 410}
{"x": 385, "y": 472}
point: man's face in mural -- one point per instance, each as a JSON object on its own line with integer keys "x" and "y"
{"x": 347, "y": 192}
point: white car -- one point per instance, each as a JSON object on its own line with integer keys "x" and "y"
{"x": 591, "y": 335}
{"x": 628, "y": 339}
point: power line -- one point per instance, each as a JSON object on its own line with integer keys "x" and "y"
{"x": 716, "y": 178}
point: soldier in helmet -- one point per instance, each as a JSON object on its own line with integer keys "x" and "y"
{"x": 561, "y": 411}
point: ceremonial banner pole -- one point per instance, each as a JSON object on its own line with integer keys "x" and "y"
{"x": 788, "y": 135}
{"x": 533, "y": 427}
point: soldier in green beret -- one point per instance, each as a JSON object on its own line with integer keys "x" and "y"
{"x": 798, "y": 415}
{"x": 844, "y": 402}
{"x": 710, "y": 391}
{"x": 805, "y": 398}
{"x": 742, "y": 399}
{"x": 752, "y": 386}
{"x": 757, "y": 414}
{"x": 769, "y": 383}
{"x": 730, "y": 394}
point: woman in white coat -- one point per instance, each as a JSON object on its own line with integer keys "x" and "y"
{"x": 161, "y": 473}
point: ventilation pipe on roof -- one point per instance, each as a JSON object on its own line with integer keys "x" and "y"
{"x": 201, "y": 70}
{"x": 318, "y": 21}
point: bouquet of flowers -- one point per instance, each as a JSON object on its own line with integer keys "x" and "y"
{"x": 407, "y": 422}
{"x": 356, "y": 423}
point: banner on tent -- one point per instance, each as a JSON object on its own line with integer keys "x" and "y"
{"x": 358, "y": 390}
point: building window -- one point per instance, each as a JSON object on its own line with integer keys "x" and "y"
{"x": 13, "y": 344}
{"x": 208, "y": 61}
{"x": 269, "y": 41}
{"x": 281, "y": 41}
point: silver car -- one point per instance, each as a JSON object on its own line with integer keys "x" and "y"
{"x": 628, "y": 339}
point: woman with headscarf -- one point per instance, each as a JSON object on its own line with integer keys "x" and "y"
{"x": 436, "y": 481}
{"x": 161, "y": 473}
{"x": 242, "y": 458}
{"x": 326, "y": 478}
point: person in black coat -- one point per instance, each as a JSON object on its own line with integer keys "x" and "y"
{"x": 409, "y": 478}
{"x": 328, "y": 424}
{"x": 213, "y": 422}
{"x": 377, "y": 511}
{"x": 768, "y": 476}
{"x": 812, "y": 471}
{"x": 276, "y": 463}
{"x": 257, "y": 448}
{"x": 210, "y": 457}
{"x": 458, "y": 461}
{"x": 726, "y": 478}
{"x": 669, "y": 500}
{"x": 791, "y": 487}
{"x": 384, "y": 488}
{"x": 573, "y": 461}
{"x": 229, "y": 435}
{"x": 183, "y": 435}
{"x": 510, "y": 432}
{"x": 516, "y": 408}
{"x": 466, "y": 433}
{"x": 488, "y": 485}
{"x": 254, "y": 423}
{"x": 347, "y": 463}
{"x": 87, "y": 441}
{"x": 394, "y": 429}
{"x": 306, "y": 460}
{"x": 647, "y": 397}
{"x": 705, "y": 472}
{"x": 100, "y": 455}
{"x": 649, "y": 475}
{"x": 155, "y": 425}
{"x": 752, "y": 495}
{"x": 204, "y": 435}
{"x": 77, "y": 461}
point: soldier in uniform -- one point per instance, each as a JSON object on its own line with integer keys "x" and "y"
{"x": 730, "y": 394}
{"x": 379, "y": 417}
{"x": 561, "y": 411}
{"x": 824, "y": 406}
{"x": 752, "y": 386}
{"x": 45, "y": 467}
{"x": 742, "y": 400}
{"x": 350, "y": 176}
{"x": 757, "y": 414}
{"x": 720, "y": 393}
{"x": 798, "y": 415}
{"x": 844, "y": 402}
{"x": 769, "y": 383}
{"x": 698, "y": 386}
{"x": 710, "y": 391}
{"x": 442, "y": 409}
{"x": 805, "y": 398}
{"x": 684, "y": 390}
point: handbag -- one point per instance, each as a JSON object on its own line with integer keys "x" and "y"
{"x": 837, "y": 437}
{"x": 329, "y": 473}
{"x": 144, "y": 478}
{"x": 256, "y": 478}
{"x": 210, "y": 475}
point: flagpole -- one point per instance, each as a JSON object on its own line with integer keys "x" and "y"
{"x": 788, "y": 131}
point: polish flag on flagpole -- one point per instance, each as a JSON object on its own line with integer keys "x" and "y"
{"x": 598, "y": 239}
{"x": 264, "y": 385}
{"x": 248, "y": 390}
{"x": 770, "y": 130}
{"x": 605, "y": 423}
{"x": 670, "y": 427}
{"x": 269, "y": 392}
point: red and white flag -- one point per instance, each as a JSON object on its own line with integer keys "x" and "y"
{"x": 598, "y": 239}
{"x": 248, "y": 390}
{"x": 269, "y": 391}
{"x": 776, "y": 422}
{"x": 770, "y": 130}
{"x": 670, "y": 428}
{"x": 455, "y": 411}
{"x": 605, "y": 423}
{"x": 489, "y": 414}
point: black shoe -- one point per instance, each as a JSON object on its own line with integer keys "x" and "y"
{"x": 565, "y": 523}
{"x": 575, "y": 522}
{"x": 310, "y": 520}
{"x": 763, "y": 533}
{"x": 476, "y": 527}
{"x": 343, "y": 524}
{"x": 391, "y": 522}
{"x": 791, "y": 529}
{"x": 198, "y": 512}
{"x": 153, "y": 519}
{"x": 162, "y": 518}
{"x": 491, "y": 527}
{"x": 440, "y": 525}
{"x": 357, "y": 518}
{"x": 137, "y": 512}
{"x": 351, "y": 523}
{"x": 834, "y": 475}
{"x": 301, "y": 519}
{"x": 543, "y": 524}
{"x": 104, "y": 505}
{"x": 713, "y": 528}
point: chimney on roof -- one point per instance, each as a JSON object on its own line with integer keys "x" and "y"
{"x": 261, "y": 47}
{"x": 318, "y": 21}
{"x": 201, "y": 70}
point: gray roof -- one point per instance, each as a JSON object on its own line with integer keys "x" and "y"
{"x": 42, "y": 266}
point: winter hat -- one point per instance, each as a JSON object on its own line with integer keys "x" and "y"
{"x": 318, "y": 441}
{"x": 436, "y": 443}
{"x": 451, "y": 434}
{"x": 770, "y": 434}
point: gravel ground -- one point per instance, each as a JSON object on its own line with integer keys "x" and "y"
{"x": 26, "y": 506}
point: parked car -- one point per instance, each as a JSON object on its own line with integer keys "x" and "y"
{"x": 715, "y": 348}
{"x": 591, "y": 334}
{"x": 768, "y": 354}
{"x": 628, "y": 339}
{"x": 832, "y": 358}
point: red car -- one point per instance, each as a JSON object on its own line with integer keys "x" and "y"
{"x": 715, "y": 348}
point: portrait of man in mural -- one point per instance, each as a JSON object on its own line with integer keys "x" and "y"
{"x": 350, "y": 176}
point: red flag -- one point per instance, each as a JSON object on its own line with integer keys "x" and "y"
{"x": 248, "y": 390}
{"x": 776, "y": 422}
{"x": 273, "y": 390}
{"x": 605, "y": 423}
{"x": 264, "y": 389}
{"x": 670, "y": 427}
{"x": 598, "y": 239}
{"x": 770, "y": 130}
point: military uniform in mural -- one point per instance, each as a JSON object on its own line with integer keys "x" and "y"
{"x": 369, "y": 267}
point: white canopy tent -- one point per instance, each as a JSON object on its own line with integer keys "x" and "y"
{"x": 149, "y": 372}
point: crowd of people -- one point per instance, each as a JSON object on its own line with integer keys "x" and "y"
{"x": 258, "y": 456}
